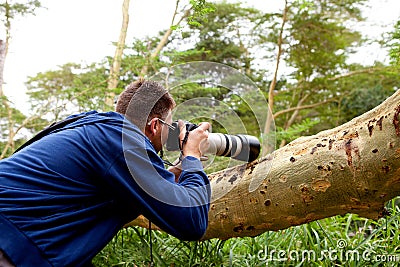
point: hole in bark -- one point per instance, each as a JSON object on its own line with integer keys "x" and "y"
{"x": 268, "y": 202}
{"x": 375, "y": 150}
{"x": 385, "y": 169}
{"x": 313, "y": 150}
{"x": 233, "y": 179}
{"x": 238, "y": 228}
{"x": 371, "y": 127}
{"x": 396, "y": 121}
{"x": 262, "y": 192}
{"x": 379, "y": 123}
{"x": 292, "y": 159}
{"x": 330, "y": 143}
{"x": 250, "y": 228}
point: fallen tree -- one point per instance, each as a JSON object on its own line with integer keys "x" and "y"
{"x": 353, "y": 168}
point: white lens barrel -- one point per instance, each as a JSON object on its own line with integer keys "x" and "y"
{"x": 241, "y": 147}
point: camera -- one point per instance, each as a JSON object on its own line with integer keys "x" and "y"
{"x": 241, "y": 146}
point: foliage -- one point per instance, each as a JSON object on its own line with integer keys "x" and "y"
{"x": 371, "y": 90}
{"x": 72, "y": 87}
{"x": 223, "y": 36}
{"x": 341, "y": 241}
{"x": 395, "y": 45}
{"x": 11, "y": 9}
{"x": 318, "y": 41}
{"x": 362, "y": 100}
{"x": 295, "y": 131}
{"x": 201, "y": 8}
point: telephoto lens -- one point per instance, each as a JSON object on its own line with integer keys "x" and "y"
{"x": 241, "y": 146}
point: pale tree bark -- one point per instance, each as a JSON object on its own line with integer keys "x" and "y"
{"x": 3, "y": 54}
{"x": 4, "y": 44}
{"x": 116, "y": 64}
{"x": 353, "y": 168}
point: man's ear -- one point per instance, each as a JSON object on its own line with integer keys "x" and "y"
{"x": 151, "y": 127}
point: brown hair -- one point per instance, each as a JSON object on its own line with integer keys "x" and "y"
{"x": 143, "y": 100}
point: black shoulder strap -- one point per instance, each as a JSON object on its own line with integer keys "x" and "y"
{"x": 49, "y": 129}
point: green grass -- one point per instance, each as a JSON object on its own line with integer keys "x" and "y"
{"x": 337, "y": 241}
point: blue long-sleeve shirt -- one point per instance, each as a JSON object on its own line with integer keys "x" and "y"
{"x": 64, "y": 197}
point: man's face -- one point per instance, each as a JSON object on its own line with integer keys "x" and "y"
{"x": 165, "y": 128}
{"x": 158, "y": 132}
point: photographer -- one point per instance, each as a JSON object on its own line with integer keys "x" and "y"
{"x": 64, "y": 196}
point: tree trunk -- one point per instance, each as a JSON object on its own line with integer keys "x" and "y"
{"x": 4, "y": 44}
{"x": 272, "y": 86}
{"x": 3, "y": 54}
{"x": 353, "y": 168}
{"x": 116, "y": 65}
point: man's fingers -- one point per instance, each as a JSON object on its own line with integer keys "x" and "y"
{"x": 204, "y": 126}
{"x": 182, "y": 128}
{"x": 181, "y": 125}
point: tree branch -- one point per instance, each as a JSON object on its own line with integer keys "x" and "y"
{"x": 281, "y": 112}
{"x": 351, "y": 73}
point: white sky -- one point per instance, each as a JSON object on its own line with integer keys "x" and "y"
{"x": 82, "y": 31}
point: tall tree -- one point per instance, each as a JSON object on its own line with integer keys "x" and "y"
{"x": 193, "y": 12}
{"x": 116, "y": 64}
{"x": 9, "y": 10}
{"x": 316, "y": 46}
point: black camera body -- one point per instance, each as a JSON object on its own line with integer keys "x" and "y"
{"x": 173, "y": 135}
{"x": 241, "y": 146}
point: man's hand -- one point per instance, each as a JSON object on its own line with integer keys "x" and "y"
{"x": 197, "y": 139}
{"x": 176, "y": 170}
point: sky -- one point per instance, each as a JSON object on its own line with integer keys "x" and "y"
{"x": 82, "y": 31}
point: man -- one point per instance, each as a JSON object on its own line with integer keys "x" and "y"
{"x": 63, "y": 197}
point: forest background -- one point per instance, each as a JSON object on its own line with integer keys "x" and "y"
{"x": 300, "y": 56}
